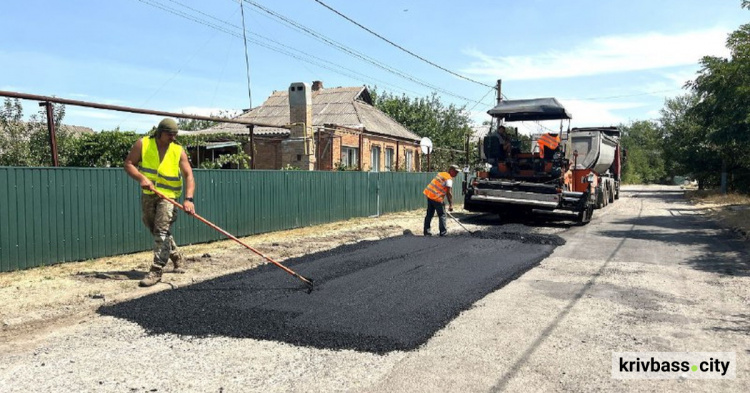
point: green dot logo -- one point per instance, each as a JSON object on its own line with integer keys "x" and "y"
{"x": 695, "y": 368}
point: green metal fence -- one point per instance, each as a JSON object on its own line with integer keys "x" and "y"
{"x": 53, "y": 215}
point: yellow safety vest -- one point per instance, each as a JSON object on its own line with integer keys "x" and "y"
{"x": 436, "y": 189}
{"x": 548, "y": 140}
{"x": 166, "y": 174}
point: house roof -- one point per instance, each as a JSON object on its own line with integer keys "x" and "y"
{"x": 341, "y": 106}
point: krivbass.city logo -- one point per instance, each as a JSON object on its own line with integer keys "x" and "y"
{"x": 674, "y": 365}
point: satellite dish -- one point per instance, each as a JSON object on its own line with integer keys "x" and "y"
{"x": 426, "y": 145}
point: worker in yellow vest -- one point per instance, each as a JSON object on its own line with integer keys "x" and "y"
{"x": 548, "y": 143}
{"x": 158, "y": 162}
{"x": 439, "y": 188}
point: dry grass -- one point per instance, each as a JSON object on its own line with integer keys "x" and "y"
{"x": 732, "y": 210}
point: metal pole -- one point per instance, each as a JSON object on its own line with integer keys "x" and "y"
{"x": 87, "y": 104}
{"x": 51, "y": 129}
{"x": 499, "y": 91}
{"x": 252, "y": 146}
{"x": 429, "y": 167}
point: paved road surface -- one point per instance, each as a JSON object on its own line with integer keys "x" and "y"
{"x": 408, "y": 314}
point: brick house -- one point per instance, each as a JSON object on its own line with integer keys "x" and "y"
{"x": 325, "y": 129}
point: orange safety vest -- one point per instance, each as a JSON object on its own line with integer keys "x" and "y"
{"x": 548, "y": 140}
{"x": 436, "y": 189}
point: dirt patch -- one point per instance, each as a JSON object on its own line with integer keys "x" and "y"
{"x": 39, "y": 299}
{"x": 732, "y": 211}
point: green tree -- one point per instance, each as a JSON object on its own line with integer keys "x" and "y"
{"x": 102, "y": 149}
{"x": 447, "y": 126}
{"x": 26, "y": 143}
{"x": 645, "y": 162}
{"x": 687, "y": 151}
{"x": 723, "y": 107}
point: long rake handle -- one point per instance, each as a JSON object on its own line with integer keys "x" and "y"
{"x": 229, "y": 235}
{"x": 459, "y": 222}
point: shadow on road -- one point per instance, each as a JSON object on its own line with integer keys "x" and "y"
{"x": 722, "y": 252}
{"x": 380, "y": 296}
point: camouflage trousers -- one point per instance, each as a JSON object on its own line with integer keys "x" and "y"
{"x": 158, "y": 216}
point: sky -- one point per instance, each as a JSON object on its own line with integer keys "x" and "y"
{"x": 608, "y": 62}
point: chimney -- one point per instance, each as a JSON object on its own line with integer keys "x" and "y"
{"x": 298, "y": 149}
{"x": 317, "y": 85}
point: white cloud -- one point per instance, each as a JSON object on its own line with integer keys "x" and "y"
{"x": 590, "y": 113}
{"x": 604, "y": 55}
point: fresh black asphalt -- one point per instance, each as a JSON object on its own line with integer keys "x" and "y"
{"x": 374, "y": 296}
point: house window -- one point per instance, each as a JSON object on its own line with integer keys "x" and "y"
{"x": 349, "y": 156}
{"x": 375, "y": 159}
{"x": 389, "y": 160}
{"x": 409, "y": 161}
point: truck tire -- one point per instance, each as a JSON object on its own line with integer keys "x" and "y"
{"x": 584, "y": 216}
{"x": 611, "y": 195}
{"x": 599, "y": 198}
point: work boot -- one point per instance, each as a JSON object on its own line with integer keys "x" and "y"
{"x": 427, "y": 234}
{"x": 179, "y": 262}
{"x": 443, "y": 233}
{"x": 151, "y": 278}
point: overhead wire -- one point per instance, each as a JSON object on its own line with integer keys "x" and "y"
{"x": 401, "y": 47}
{"x": 353, "y": 52}
{"x": 263, "y": 42}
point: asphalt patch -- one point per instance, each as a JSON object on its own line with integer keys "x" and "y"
{"x": 377, "y": 296}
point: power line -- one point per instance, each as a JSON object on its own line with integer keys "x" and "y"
{"x": 482, "y": 99}
{"x": 353, "y": 52}
{"x": 263, "y": 42}
{"x": 401, "y": 47}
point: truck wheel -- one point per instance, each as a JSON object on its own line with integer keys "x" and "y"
{"x": 599, "y": 198}
{"x": 617, "y": 192}
{"x": 584, "y": 216}
{"x": 611, "y": 196}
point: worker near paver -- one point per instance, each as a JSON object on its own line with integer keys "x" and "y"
{"x": 439, "y": 188}
{"x": 158, "y": 162}
{"x": 505, "y": 142}
{"x": 548, "y": 143}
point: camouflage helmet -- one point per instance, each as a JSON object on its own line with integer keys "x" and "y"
{"x": 167, "y": 125}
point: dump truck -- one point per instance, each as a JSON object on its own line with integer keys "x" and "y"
{"x": 581, "y": 174}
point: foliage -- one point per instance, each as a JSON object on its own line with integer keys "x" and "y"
{"x": 290, "y": 167}
{"x": 340, "y": 166}
{"x": 26, "y": 143}
{"x": 102, "y": 149}
{"x": 195, "y": 125}
{"x": 643, "y": 142}
{"x": 723, "y": 105}
{"x": 239, "y": 160}
{"x": 687, "y": 151}
{"x": 447, "y": 126}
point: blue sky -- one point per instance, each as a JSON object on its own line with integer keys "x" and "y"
{"x": 608, "y": 62}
